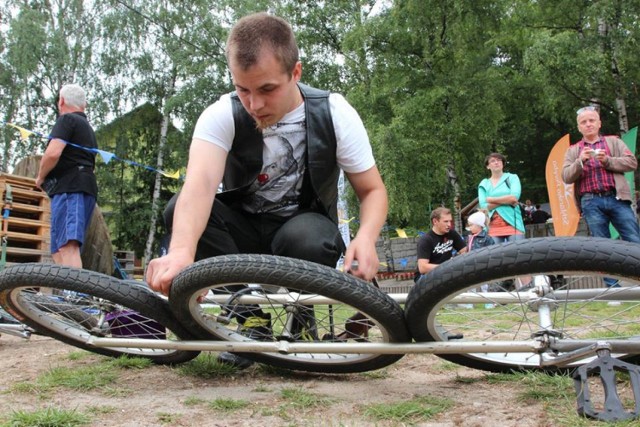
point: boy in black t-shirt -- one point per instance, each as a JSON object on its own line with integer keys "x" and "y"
{"x": 438, "y": 244}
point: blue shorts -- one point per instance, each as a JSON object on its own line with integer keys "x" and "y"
{"x": 70, "y": 217}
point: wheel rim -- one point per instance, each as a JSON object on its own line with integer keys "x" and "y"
{"x": 78, "y": 317}
{"x": 577, "y": 308}
{"x": 318, "y": 319}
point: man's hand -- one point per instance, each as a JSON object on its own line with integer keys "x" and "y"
{"x": 601, "y": 156}
{"x": 161, "y": 271}
{"x": 586, "y": 154}
{"x": 365, "y": 254}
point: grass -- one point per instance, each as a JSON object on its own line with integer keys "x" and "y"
{"x": 167, "y": 418}
{"x": 416, "y": 410}
{"x": 228, "y": 405}
{"x": 102, "y": 375}
{"x": 581, "y": 319}
{"x": 378, "y": 374}
{"x": 261, "y": 388}
{"x": 206, "y": 366}
{"x": 557, "y": 396}
{"x": 193, "y": 401}
{"x": 297, "y": 401}
{"x": 126, "y": 362}
{"x": 300, "y": 398}
{"x": 84, "y": 378}
{"x": 48, "y": 417}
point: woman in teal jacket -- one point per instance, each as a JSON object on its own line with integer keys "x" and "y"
{"x": 499, "y": 194}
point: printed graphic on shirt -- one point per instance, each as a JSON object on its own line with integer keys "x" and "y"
{"x": 277, "y": 188}
{"x": 443, "y": 247}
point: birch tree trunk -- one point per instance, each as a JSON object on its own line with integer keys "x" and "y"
{"x": 156, "y": 188}
{"x": 164, "y": 128}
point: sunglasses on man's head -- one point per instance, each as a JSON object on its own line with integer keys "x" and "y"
{"x": 587, "y": 108}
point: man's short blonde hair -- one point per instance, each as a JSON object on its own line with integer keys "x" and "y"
{"x": 439, "y": 213}
{"x": 258, "y": 31}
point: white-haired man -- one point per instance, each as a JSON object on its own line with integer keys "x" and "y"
{"x": 67, "y": 175}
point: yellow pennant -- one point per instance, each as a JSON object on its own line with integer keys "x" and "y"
{"x": 24, "y": 134}
{"x": 174, "y": 175}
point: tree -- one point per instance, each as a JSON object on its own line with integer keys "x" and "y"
{"x": 174, "y": 50}
{"x": 47, "y": 45}
{"x": 432, "y": 102}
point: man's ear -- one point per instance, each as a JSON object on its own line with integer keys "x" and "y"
{"x": 297, "y": 72}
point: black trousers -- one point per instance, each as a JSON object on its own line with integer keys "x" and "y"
{"x": 305, "y": 235}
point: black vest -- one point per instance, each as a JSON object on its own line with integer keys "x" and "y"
{"x": 320, "y": 183}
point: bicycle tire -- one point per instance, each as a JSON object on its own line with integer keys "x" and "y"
{"x": 273, "y": 277}
{"x": 71, "y": 305}
{"x": 566, "y": 264}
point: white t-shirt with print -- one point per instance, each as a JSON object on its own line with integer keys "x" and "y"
{"x": 278, "y": 186}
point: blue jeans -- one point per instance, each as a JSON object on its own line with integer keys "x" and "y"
{"x": 598, "y": 212}
{"x": 510, "y": 238}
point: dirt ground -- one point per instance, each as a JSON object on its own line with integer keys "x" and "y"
{"x": 160, "y": 395}
{"x": 166, "y": 396}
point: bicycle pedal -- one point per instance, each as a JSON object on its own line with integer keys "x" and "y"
{"x": 606, "y": 367}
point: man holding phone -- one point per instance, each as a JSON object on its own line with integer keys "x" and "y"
{"x": 596, "y": 165}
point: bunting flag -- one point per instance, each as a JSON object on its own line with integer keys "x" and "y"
{"x": 24, "y": 133}
{"x": 563, "y": 205}
{"x": 106, "y": 156}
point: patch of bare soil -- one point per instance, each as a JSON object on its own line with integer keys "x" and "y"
{"x": 161, "y": 395}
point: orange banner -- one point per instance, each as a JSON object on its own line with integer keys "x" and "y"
{"x": 563, "y": 205}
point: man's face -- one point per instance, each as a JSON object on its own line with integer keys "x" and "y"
{"x": 442, "y": 225}
{"x": 589, "y": 124}
{"x": 266, "y": 91}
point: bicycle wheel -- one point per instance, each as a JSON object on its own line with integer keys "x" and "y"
{"x": 289, "y": 299}
{"x": 72, "y": 305}
{"x": 559, "y": 296}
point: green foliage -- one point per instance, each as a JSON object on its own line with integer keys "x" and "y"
{"x": 439, "y": 95}
{"x": 126, "y": 189}
{"x": 438, "y": 84}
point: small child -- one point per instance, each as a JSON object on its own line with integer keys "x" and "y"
{"x": 477, "y": 223}
{"x": 478, "y": 238}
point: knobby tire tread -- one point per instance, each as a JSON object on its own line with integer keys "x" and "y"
{"x": 126, "y": 293}
{"x": 288, "y": 272}
{"x": 524, "y": 257}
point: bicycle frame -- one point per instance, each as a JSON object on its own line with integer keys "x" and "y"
{"x": 18, "y": 330}
{"x": 540, "y": 345}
